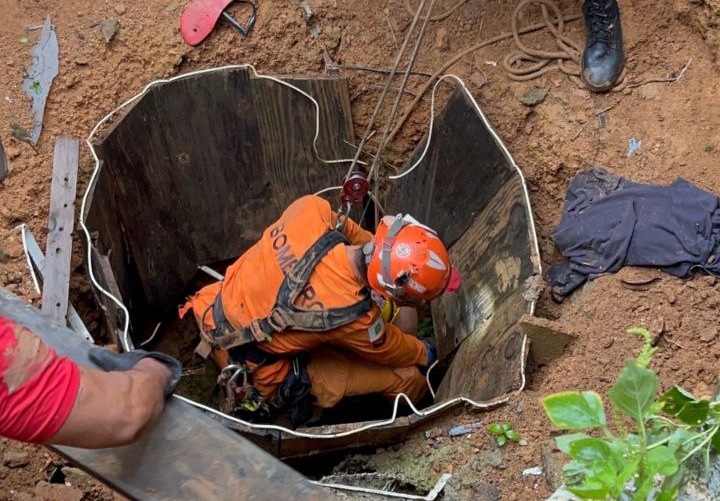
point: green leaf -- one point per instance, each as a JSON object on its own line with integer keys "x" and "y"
{"x": 36, "y": 88}
{"x": 501, "y": 440}
{"x": 694, "y": 413}
{"x": 590, "y": 489}
{"x": 634, "y": 391}
{"x": 506, "y": 426}
{"x": 495, "y": 429}
{"x": 661, "y": 460}
{"x": 675, "y": 399}
{"x": 563, "y": 441}
{"x": 512, "y": 435}
{"x": 24, "y": 40}
{"x": 589, "y": 450}
{"x": 573, "y": 410}
{"x": 680, "y": 437}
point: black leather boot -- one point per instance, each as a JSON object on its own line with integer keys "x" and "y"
{"x": 604, "y": 54}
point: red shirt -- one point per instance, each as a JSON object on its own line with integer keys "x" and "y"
{"x": 37, "y": 388}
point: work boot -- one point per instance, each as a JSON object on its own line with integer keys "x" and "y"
{"x": 604, "y": 53}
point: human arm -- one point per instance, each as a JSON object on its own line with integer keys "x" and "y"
{"x": 45, "y": 398}
{"x": 114, "y": 408}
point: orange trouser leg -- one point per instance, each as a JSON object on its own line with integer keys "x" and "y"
{"x": 336, "y": 374}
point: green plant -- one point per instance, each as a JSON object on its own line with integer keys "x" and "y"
{"x": 647, "y": 461}
{"x": 503, "y": 433}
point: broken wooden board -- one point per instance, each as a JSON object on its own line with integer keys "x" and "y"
{"x": 58, "y": 251}
{"x": 468, "y": 188}
{"x": 219, "y": 156}
{"x": 37, "y": 260}
{"x": 548, "y": 339}
{"x": 184, "y": 457}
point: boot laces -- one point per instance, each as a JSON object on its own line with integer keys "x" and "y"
{"x": 599, "y": 21}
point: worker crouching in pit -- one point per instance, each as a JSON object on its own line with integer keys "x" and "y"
{"x": 316, "y": 311}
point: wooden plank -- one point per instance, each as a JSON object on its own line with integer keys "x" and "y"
{"x": 462, "y": 170}
{"x": 200, "y": 172}
{"x": 548, "y": 339}
{"x": 58, "y": 250}
{"x": 186, "y": 456}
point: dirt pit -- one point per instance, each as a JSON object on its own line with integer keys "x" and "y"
{"x": 676, "y": 122}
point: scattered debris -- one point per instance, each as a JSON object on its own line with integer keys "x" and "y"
{"x": 3, "y": 164}
{"x": 433, "y": 432}
{"x": 38, "y": 80}
{"x": 535, "y": 471}
{"x": 16, "y": 459}
{"x": 109, "y": 28}
{"x": 534, "y": 96}
{"x": 463, "y": 429}
{"x": 307, "y": 11}
{"x": 633, "y": 146}
{"x": 548, "y": 339}
{"x": 76, "y": 476}
{"x": 638, "y": 278}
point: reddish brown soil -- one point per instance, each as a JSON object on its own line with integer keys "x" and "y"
{"x": 677, "y": 123}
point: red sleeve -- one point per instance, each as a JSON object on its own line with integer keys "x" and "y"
{"x": 37, "y": 388}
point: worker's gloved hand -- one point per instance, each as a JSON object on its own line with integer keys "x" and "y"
{"x": 109, "y": 361}
{"x": 431, "y": 351}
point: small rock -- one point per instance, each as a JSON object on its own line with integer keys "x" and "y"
{"x": 433, "y": 432}
{"x": 58, "y": 492}
{"x": 534, "y": 96}
{"x": 16, "y": 459}
{"x": 120, "y": 9}
{"x": 109, "y": 27}
{"x": 11, "y": 248}
{"x": 708, "y": 334}
{"x": 608, "y": 342}
{"x": 523, "y": 442}
{"x": 478, "y": 79}
{"x": 81, "y": 61}
{"x": 494, "y": 458}
{"x": 441, "y": 41}
{"x": 76, "y": 476}
{"x": 535, "y": 471}
{"x": 486, "y": 492}
{"x": 670, "y": 296}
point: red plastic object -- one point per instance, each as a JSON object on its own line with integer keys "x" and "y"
{"x": 455, "y": 280}
{"x": 199, "y": 19}
{"x": 355, "y": 188}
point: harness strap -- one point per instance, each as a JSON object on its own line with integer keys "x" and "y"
{"x": 285, "y": 315}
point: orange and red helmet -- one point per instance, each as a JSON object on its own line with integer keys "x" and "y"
{"x": 407, "y": 262}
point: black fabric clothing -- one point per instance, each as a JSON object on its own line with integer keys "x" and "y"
{"x": 609, "y": 222}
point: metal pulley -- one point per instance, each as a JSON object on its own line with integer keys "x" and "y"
{"x": 354, "y": 188}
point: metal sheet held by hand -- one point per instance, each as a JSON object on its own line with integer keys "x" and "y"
{"x": 40, "y": 76}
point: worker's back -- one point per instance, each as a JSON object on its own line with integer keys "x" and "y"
{"x": 252, "y": 282}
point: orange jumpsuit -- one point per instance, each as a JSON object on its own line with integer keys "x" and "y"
{"x": 364, "y": 356}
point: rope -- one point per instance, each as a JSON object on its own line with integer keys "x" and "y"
{"x": 528, "y": 63}
{"x": 457, "y": 57}
{"x": 437, "y": 17}
{"x": 398, "y": 99}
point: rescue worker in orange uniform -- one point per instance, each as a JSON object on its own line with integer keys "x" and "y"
{"x": 293, "y": 323}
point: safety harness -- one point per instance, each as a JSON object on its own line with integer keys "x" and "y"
{"x": 242, "y": 344}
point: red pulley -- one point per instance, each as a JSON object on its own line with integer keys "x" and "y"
{"x": 355, "y": 188}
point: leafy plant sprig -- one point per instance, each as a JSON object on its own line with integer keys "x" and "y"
{"x": 503, "y": 433}
{"x": 646, "y": 462}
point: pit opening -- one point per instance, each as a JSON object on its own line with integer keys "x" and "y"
{"x": 195, "y": 168}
